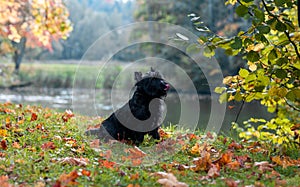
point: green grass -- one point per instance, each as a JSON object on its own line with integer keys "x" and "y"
{"x": 39, "y": 147}
{"x": 55, "y": 75}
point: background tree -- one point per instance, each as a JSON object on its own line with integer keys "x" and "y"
{"x": 91, "y": 19}
{"x": 270, "y": 46}
{"x": 219, "y": 18}
{"x": 32, "y": 23}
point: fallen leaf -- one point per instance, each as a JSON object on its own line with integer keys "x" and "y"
{"x": 263, "y": 166}
{"x": 67, "y": 115}
{"x": 4, "y": 181}
{"x": 133, "y": 185}
{"x": 95, "y": 143}
{"x": 107, "y": 164}
{"x": 3, "y": 132}
{"x": 234, "y": 145}
{"x": 214, "y": 171}
{"x": 285, "y": 161}
{"x": 33, "y": 117}
{"x": 169, "y": 180}
{"x": 67, "y": 179}
{"x": 202, "y": 163}
{"x": 163, "y": 134}
{"x": 233, "y": 165}
{"x": 3, "y": 144}
{"x": 231, "y": 183}
{"x": 48, "y": 145}
{"x": 224, "y": 159}
{"x": 74, "y": 161}
{"x": 134, "y": 176}
{"x": 16, "y": 145}
{"x": 86, "y": 172}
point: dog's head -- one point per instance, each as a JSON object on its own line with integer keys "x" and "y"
{"x": 151, "y": 84}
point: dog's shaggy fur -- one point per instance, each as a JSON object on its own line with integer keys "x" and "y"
{"x": 142, "y": 115}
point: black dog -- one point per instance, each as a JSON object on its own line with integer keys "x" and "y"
{"x": 142, "y": 115}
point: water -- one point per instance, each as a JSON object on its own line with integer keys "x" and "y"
{"x": 101, "y": 105}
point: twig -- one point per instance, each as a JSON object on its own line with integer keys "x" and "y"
{"x": 239, "y": 112}
{"x": 285, "y": 32}
{"x": 250, "y": 13}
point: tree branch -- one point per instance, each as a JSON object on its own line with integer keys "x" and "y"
{"x": 285, "y": 32}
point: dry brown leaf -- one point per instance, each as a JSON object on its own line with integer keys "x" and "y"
{"x": 169, "y": 180}
{"x": 74, "y": 161}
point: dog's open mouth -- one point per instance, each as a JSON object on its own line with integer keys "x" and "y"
{"x": 167, "y": 87}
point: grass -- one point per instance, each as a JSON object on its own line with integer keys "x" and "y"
{"x": 43, "y": 147}
{"x": 55, "y": 75}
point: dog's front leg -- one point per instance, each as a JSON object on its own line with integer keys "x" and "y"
{"x": 155, "y": 134}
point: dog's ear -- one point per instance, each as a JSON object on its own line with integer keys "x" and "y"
{"x": 138, "y": 76}
{"x": 152, "y": 69}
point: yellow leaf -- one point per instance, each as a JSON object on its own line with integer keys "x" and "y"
{"x": 3, "y": 132}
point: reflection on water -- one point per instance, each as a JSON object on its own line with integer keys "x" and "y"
{"x": 61, "y": 99}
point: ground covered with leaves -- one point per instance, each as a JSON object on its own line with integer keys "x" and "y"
{"x": 41, "y": 147}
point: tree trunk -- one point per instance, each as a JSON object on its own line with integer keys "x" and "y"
{"x": 19, "y": 53}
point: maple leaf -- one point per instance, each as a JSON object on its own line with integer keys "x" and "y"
{"x": 225, "y": 158}
{"x": 67, "y": 179}
{"x": 202, "y": 163}
{"x": 107, "y": 164}
{"x": 48, "y": 145}
{"x": 169, "y": 180}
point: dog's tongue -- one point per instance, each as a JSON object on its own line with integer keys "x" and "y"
{"x": 167, "y": 87}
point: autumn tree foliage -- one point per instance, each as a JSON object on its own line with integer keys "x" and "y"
{"x": 270, "y": 48}
{"x": 31, "y": 23}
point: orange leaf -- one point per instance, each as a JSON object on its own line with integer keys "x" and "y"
{"x": 107, "y": 164}
{"x": 136, "y": 162}
{"x": 4, "y": 181}
{"x": 225, "y": 158}
{"x": 86, "y": 172}
{"x": 67, "y": 179}
{"x": 33, "y": 117}
{"x": 233, "y": 165}
{"x": 202, "y": 163}
{"x": 134, "y": 176}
